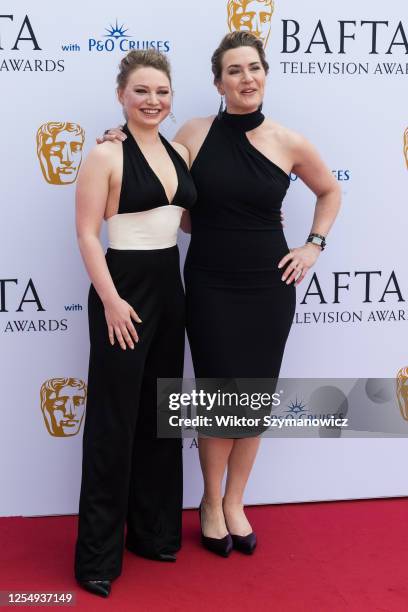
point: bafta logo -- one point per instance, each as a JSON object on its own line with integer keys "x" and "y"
{"x": 406, "y": 146}
{"x": 63, "y": 405}
{"x": 402, "y": 392}
{"x": 251, "y": 16}
{"x": 59, "y": 150}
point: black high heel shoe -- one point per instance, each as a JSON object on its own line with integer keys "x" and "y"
{"x": 245, "y": 544}
{"x": 97, "y": 587}
{"x": 219, "y": 546}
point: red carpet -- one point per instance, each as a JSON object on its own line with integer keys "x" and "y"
{"x": 328, "y": 557}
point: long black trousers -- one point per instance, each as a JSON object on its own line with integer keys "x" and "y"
{"x": 130, "y": 477}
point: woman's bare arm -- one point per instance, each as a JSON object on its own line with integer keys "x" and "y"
{"x": 91, "y": 198}
{"x": 310, "y": 168}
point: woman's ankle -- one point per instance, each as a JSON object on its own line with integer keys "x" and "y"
{"x": 212, "y": 503}
{"x": 232, "y": 503}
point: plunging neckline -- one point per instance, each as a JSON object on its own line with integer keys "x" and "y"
{"x": 150, "y": 169}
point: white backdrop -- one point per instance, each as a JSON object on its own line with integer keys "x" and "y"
{"x": 357, "y": 121}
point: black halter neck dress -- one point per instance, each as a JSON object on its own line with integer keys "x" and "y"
{"x": 239, "y": 311}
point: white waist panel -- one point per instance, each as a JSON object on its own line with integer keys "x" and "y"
{"x": 148, "y": 229}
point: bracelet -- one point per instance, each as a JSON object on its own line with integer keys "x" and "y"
{"x": 317, "y": 239}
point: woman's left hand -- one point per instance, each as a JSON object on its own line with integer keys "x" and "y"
{"x": 299, "y": 261}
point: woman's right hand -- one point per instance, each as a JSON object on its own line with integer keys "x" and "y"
{"x": 112, "y": 134}
{"x": 119, "y": 315}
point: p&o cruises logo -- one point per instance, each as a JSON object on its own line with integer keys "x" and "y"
{"x": 118, "y": 38}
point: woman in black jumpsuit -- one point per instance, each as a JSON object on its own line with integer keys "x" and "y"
{"x": 129, "y": 476}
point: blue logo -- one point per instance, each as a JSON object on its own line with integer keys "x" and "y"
{"x": 117, "y": 31}
{"x": 296, "y": 408}
{"x": 117, "y": 39}
{"x": 340, "y": 175}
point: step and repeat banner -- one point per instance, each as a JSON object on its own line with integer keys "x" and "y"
{"x": 339, "y": 74}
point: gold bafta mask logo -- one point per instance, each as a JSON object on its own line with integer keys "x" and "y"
{"x": 63, "y": 405}
{"x": 251, "y": 16}
{"x": 59, "y": 150}
{"x": 406, "y": 146}
{"x": 402, "y": 392}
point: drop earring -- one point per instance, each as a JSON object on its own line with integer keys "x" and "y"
{"x": 171, "y": 114}
{"x": 221, "y": 109}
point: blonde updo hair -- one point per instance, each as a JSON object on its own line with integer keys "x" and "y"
{"x": 149, "y": 58}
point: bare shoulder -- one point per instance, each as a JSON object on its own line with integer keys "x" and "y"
{"x": 105, "y": 152}
{"x": 193, "y": 129}
{"x": 198, "y": 123}
{"x": 181, "y": 150}
{"x": 101, "y": 160}
{"x": 285, "y": 136}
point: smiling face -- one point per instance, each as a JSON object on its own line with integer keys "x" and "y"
{"x": 146, "y": 97}
{"x": 242, "y": 80}
{"x": 251, "y": 16}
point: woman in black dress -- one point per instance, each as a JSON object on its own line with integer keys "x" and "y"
{"x": 239, "y": 272}
{"x": 141, "y": 187}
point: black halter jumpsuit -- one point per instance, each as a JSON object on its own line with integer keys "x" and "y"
{"x": 239, "y": 312}
{"x": 129, "y": 476}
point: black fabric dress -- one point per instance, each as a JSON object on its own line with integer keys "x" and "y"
{"x": 239, "y": 311}
{"x": 129, "y": 476}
